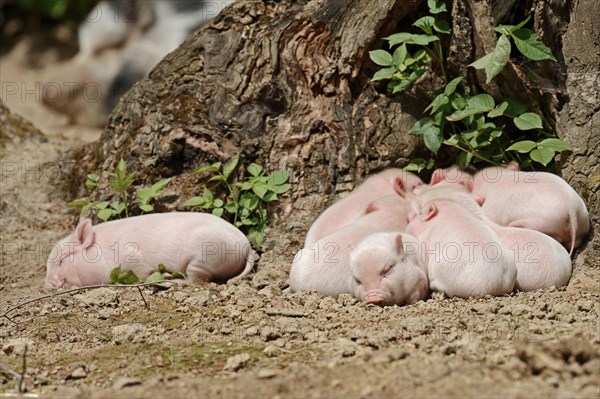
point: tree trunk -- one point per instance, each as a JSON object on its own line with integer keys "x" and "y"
{"x": 287, "y": 84}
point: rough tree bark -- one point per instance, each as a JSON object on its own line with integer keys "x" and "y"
{"x": 286, "y": 84}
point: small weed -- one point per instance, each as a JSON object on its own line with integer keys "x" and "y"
{"x": 120, "y": 181}
{"x": 485, "y": 131}
{"x": 245, "y": 204}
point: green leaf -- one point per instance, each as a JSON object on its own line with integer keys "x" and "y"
{"x": 529, "y": 45}
{"x": 128, "y": 278}
{"x": 210, "y": 168}
{"x": 146, "y": 207}
{"x": 381, "y": 57}
{"x": 78, "y": 203}
{"x": 433, "y": 139}
{"x": 399, "y": 55}
{"x": 260, "y": 189}
{"x": 254, "y": 169}
{"x": 458, "y": 102}
{"x": 522, "y": 146}
{"x": 419, "y": 164}
{"x": 270, "y": 196}
{"x": 475, "y": 105}
{"x": 506, "y": 29}
{"x": 398, "y": 38}
{"x": 208, "y": 196}
{"x": 464, "y": 159}
{"x": 436, "y": 6}
{"x": 542, "y": 155}
{"x": 257, "y": 236}
{"x": 105, "y": 214}
{"x": 195, "y": 201}
{"x": 114, "y": 275}
{"x": 425, "y": 24}
{"x": 442, "y": 26}
{"x": 282, "y": 188}
{"x": 438, "y": 101}
{"x": 422, "y": 40}
{"x": 217, "y": 178}
{"x": 230, "y": 167}
{"x": 178, "y": 276}
{"x": 482, "y": 62}
{"x": 162, "y": 268}
{"x": 101, "y": 205}
{"x": 118, "y": 207}
{"x": 421, "y": 126}
{"x": 231, "y": 207}
{"x": 452, "y": 85}
{"x": 217, "y": 203}
{"x": 528, "y": 121}
{"x": 280, "y": 177}
{"x": 515, "y": 108}
{"x": 385, "y": 73}
{"x": 217, "y": 212}
{"x": 147, "y": 194}
{"x": 557, "y": 145}
{"x": 92, "y": 181}
{"x": 499, "y": 110}
{"x": 499, "y": 58}
{"x": 155, "y": 277}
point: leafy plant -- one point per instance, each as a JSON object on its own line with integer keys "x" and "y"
{"x": 163, "y": 274}
{"x": 482, "y": 129}
{"x": 245, "y": 204}
{"x": 402, "y": 67}
{"x": 117, "y": 276}
{"x": 121, "y": 182}
{"x": 526, "y": 42}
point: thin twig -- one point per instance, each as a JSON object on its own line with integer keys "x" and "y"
{"x": 144, "y": 299}
{"x": 22, "y": 379}
{"x": 85, "y": 287}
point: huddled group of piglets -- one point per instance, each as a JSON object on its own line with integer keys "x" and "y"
{"x": 394, "y": 239}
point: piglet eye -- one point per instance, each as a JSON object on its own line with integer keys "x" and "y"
{"x": 61, "y": 259}
{"x": 386, "y": 270}
{"x": 357, "y": 281}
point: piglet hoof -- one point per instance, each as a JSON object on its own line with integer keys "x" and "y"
{"x": 438, "y": 295}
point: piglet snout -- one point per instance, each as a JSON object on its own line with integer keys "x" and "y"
{"x": 375, "y": 297}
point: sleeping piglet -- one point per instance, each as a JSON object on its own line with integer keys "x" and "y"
{"x": 541, "y": 261}
{"x": 386, "y": 270}
{"x": 535, "y": 200}
{"x": 464, "y": 256}
{"x": 324, "y": 266}
{"x": 200, "y": 245}
{"x": 348, "y": 209}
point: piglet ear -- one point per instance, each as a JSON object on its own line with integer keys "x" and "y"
{"x": 437, "y": 176}
{"x": 399, "y": 186}
{"x": 469, "y": 185}
{"x": 398, "y": 243}
{"x": 84, "y": 233}
{"x": 371, "y": 208}
{"x": 480, "y": 199}
{"x": 429, "y": 211}
{"x": 513, "y": 165}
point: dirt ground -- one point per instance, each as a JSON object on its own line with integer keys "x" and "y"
{"x": 255, "y": 338}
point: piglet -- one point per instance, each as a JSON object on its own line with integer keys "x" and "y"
{"x": 386, "y": 270}
{"x": 324, "y": 266}
{"x": 202, "y": 246}
{"x": 535, "y": 200}
{"x": 541, "y": 261}
{"x": 464, "y": 256}
{"x": 346, "y": 210}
